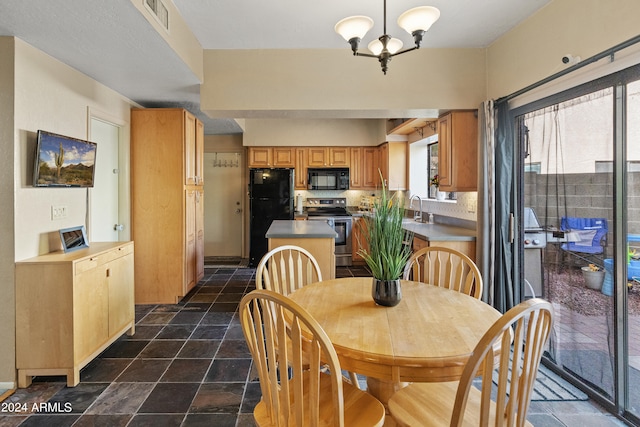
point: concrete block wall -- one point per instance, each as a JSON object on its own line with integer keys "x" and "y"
{"x": 588, "y": 195}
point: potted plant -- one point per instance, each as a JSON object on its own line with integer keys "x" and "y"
{"x": 593, "y": 276}
{"x": 435, "y": 181}
{"x": 387, "y": 246}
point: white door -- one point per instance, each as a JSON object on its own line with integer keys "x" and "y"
{"x": 222, "y": 205}
{"x": 104, "y": 195}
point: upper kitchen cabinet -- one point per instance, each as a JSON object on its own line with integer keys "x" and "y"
{"x": 363, "y": 169}
{"x": 260, "y": 157}
{"x": 355, "y": 169}
{"x": 271, "y": 157}
{"x": 393, "y": 165}
{"x": 458, "y": 151}
{"x": 165, "y": 210}
{"x": 300, "y": 173}
{"x": 328, "y": 157}
{"x": 370, "y": 166}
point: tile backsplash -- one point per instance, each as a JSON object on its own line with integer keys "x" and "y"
{"x": 464, "y": 207}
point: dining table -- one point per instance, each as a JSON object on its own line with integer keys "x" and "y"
{"x": 428, "y": 336}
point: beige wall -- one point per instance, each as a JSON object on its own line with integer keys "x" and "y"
{"x": 331, "y": 83}
{"x": 37, "y": 92}
{"x": 53, "y": 97}
{"x": 314, "y": 132}
{"x": 534, "y": 49}
{"x": 180, "y": 37}
{"x": 7, "y": 217}
{"x": 223, "y": 143}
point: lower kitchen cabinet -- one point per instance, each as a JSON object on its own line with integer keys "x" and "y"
{"x": 467, "y": 247}
{"x": 358, "y": 240}
{"x": 70, "y": 307}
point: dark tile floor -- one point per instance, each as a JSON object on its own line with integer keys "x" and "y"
{"x": 188, "y": 365}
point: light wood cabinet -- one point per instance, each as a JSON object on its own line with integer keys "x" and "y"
{"x": 259, "y": 157}
{"x": 271, "y": 157}
{"x": 194, "y": 207}
{"x": 466, "y": 247}
{"x": 166, "y": 215}
{"x": 358, "y": 240}
{"x": 363, "y": 169}
{"x": 199, "y": 154}
{"x": 370, "y": 166}
{"x": 317, "y": 157}
{"x": 284, "y": 157}
{"x": 199, "y": 212}
{"x": 321, "y": 248}
{"x": 458, "y": 151}
{"x": 393, "y": 165}
{"x": 70, "y": 307}
{"x": 193, "y": 150}
{"x": 363, "y": 162}
{"x": 300, "y": 175}
{"x": 339, "y": 157}
{"x": 355, "y": 168}
{"x": 328, "y": 157}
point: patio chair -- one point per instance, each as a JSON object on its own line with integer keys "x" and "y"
{"x": 588, "y": 238}
{"x": 293, "y": 394}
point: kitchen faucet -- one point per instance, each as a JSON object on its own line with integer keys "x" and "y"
{"x": 417, "y": 216}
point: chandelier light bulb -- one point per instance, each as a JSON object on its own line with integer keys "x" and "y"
{"x": 393, "y": 45}
{"x": 354, "y": 27}
{"x": 418, "y": 19}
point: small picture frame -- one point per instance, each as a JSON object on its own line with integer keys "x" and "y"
{"x": 74, "y": 238}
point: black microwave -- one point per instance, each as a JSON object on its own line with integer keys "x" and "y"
{"x": 328, "y": 179}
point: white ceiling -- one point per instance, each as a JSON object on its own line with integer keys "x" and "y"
{"x": 110, "y": 40}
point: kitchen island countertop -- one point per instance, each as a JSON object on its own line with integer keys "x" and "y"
{"x": 300, "y": 229}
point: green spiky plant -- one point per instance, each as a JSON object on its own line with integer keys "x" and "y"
{"x": 389, "y": 245}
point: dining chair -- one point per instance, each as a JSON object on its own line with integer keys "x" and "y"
{"x": 287, "y": 268}
{"x": 509, "y": 373}
{"x": 292, "y": 394}
{"x": 445, "y": 267}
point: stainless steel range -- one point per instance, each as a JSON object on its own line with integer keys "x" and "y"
{"x": 535, "y": 239}
{"x": 333, "y": 210}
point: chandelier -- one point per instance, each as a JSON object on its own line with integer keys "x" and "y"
{"x": 414, "y": 21}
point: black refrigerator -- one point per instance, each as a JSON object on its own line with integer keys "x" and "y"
{"x": 270, "y": 197}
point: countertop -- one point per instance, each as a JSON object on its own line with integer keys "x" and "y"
{"x": 300, "y": 229}
{"x": 432, "y": 232}
{"x": 439, "y": 232}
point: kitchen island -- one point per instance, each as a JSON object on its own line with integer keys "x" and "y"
{"x": 315, "y": 236}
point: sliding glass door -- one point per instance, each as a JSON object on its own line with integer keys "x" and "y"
{"x": 579, "y": 186}
{"x": 630, "y": 294}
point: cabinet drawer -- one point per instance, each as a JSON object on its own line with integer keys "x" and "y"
{"x": 102, "y": 258}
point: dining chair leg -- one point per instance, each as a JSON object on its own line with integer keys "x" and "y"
{"x": 354, "y": 379}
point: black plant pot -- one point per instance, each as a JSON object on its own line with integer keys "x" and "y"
{"x": 386, "y": 292}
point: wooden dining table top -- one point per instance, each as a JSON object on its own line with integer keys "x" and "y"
{"x": 428, "y": 336}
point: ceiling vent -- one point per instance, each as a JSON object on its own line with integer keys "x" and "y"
{"x": 160, "y": 12}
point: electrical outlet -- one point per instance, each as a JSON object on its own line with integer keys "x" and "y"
{"x": 58, "y": 212}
